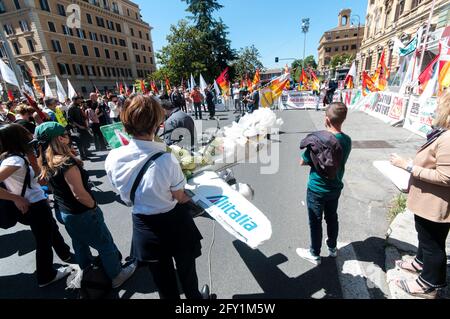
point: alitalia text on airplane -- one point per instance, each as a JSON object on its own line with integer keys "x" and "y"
{"x": 229, "y": 209}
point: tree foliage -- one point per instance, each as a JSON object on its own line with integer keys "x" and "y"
{"x": 342, "y": 59}
{"x": 310, "y": 63}
{"x": 184, "y": 54}
{"x": 247, "y": 62}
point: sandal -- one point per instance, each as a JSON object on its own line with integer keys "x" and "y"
{"x": 427, "y": 293}
{"x": 400, "y": 264}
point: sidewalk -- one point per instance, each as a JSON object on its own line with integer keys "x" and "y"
{"x": 402, "y": 244}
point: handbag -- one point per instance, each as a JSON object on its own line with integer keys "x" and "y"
{"x": 9, "y": 213}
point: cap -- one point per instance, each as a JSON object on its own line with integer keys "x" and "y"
{"x": 48, "y": 131}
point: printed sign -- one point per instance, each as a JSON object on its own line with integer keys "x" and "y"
{"x": 389, "y": 107}
{"x": 295, "y": 100}
{"x": 115, "y": 135}
{"x": 419, "y": 117}
{"x": 230, "y": 209}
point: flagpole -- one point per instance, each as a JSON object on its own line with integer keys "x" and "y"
{"x": 425, "y": 42}
{"x": 10, "y": 57}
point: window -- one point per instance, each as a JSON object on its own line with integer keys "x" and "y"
{"x": 2, "y": 7}
{"x": 122, "y": 43}
{"x": 61, "y": 10}
{"x": 415, "y": 3}
{"x": 9, "y": 29}
{"x": 338, "y": 37}
{"x": 90, "y": 70}
{"x": 140, "y": 34}
{"x": 368, "y": 63}
{"x": 81, "y": 34}
{"x": 63, "y": 69}
{"x": 85, "y": 50}
{"x": 97, "y": 52}
{"x": 328, "y": 50}
{"x": 138, "y": 58}
{"x": 345, "y": 48}
{"x": 145, "y": 59}
{"x": 72, "y": 48}
{"x": 143, "y": 48}
{"x": 114, "y": 72}
{"x": 149, "y": 49}
{"x": 37, "y": 69}
{"x": 399, "y": 10}
{"x": 16, "y": 48}
{"x": 336, "y": 49}
{"x": 118, "y": 27}
{"x": 17, "y": 4}
{"x": 115, "y": 7}
{"x": 128, "y": 12}
{"x": 346, "y": 36}
{"x": 148, "y": 37}
{"x": 51, "y": 26}
{"x": 125, "y": 57}
{"x": 66, "y": 29}
{"x": 89, "y": 18}
{"x": 107, "y": 54}
{"x": 44, "y": 5}
{"x": 100, "y": 22}
{"x": 31, "y": 45}
{"x": 353, "y": 46}
{"x": 132, "y": 31}
{"x": 24, "y": 26}
{"x": 56, "y": 46}
{"x": 151, "y": 60}
{"x": 355, "y": 35}
{"x": 116, "y": 55}
{"x": 77, "y": 69}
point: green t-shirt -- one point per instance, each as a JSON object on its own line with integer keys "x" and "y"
{"x": 322, "y": 185}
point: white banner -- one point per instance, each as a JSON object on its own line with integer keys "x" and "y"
{"x": 230, "y": 209}
{"x": 296, "y": 100}
{"x": 389, "y": 107}
{"x": 419, "y": 117}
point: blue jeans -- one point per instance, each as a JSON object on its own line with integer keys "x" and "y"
{"x": 320, "y": 205}
{"x": 89, "y": 230}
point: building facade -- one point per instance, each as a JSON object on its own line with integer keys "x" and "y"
{"x": 344, "y": 39}
{"x": 95, "y": 42}
{"x": 388, "y": 19}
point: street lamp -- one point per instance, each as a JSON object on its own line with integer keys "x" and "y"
{"x": 305, "y": 30}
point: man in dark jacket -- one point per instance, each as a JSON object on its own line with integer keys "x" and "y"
{"x": 327, "y": 154}
{"x": 79, "y": 126}
{"x": 178, "y": 99}
{"x": 179, "y": 126}
{"x": 210, "y": 103}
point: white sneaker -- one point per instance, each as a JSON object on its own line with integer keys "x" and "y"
{"x": 76, "y": 282}
{"x": 333, "y": 252}
{"x": 61, "y": 273}
{"x": 123, "y": 276}
{"x": 307, "y": 255}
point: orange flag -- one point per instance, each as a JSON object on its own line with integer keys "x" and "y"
{"x": 168, "y": 88}
{"x": 257, "y": 78}
{"x": 223, "y": 81}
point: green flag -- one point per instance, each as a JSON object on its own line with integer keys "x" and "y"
{"x": 115, "y": 135}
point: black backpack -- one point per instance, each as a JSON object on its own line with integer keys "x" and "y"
{"x": 95, "y": 283}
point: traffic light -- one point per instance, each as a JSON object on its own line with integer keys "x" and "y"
{"x": 277, "y": 60}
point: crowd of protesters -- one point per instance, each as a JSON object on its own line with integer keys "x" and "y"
{"x": 38, "y": 157}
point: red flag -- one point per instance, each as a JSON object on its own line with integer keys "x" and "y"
{"x": 154, "y": 87}
{"x": 223, "y": 81}
{"x": 10, "y": 96}
{"x": 143, "y": 88}
{"x": 168, "y": 88}
{"x": 34, "y": 105}
{"x": 121, "y": 90}
{"x": 427, "y": 74}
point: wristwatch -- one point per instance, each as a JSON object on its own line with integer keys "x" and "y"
{"x": 410, "y": 167}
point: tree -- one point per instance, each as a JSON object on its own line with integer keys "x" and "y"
{"x": 202, "y": 11}
{"x": 247, "y": 62}
{"x": 214, "y": 35}
{"x": 340, "y": 60}
{"x": 310, "y": 62}
{"x": 185, "y": 54}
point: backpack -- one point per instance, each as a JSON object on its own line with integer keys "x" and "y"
{"x": 95, "y": 283}
{"x": 9, "y": 213}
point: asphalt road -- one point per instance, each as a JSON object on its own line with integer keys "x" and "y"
{"x": 273, "y": 270}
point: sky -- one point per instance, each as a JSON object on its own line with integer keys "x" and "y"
{"x": 273, "y": 26}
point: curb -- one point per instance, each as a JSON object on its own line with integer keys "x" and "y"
{"x": 401, "y": 244}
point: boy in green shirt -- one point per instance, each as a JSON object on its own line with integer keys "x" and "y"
{"x": 323, "y": 193}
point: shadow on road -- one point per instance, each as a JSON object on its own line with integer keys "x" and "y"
{"x": 105, "y": 198}
{"x": 320, "y": 282}
{"x": 21, "y": 242}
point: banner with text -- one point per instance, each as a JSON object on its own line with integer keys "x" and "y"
{"x": 296, "y": 100}
{"x": 419, "y": 117}
{"x": 389, "y": 107}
